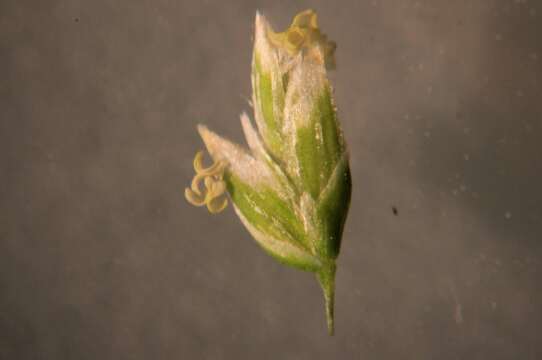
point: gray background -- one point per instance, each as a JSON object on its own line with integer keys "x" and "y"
{"x": 102, "y": 258}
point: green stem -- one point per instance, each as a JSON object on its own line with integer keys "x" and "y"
{"x": 326, "y": 278}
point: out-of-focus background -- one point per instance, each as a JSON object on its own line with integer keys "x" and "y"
{"x": 102, "y": 258}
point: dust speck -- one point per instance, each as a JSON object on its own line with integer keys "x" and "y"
{"x": 458, "y": 314}
{"x": 493, "y": 305}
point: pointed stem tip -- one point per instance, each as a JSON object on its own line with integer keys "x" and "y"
{"x": 326, "y": 278}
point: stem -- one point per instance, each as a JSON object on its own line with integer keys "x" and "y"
{"x": 326, "y": 278}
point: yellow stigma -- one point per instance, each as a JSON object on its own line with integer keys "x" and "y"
{"x": 215, "y": 186}
{"x": 304, "y": 33}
